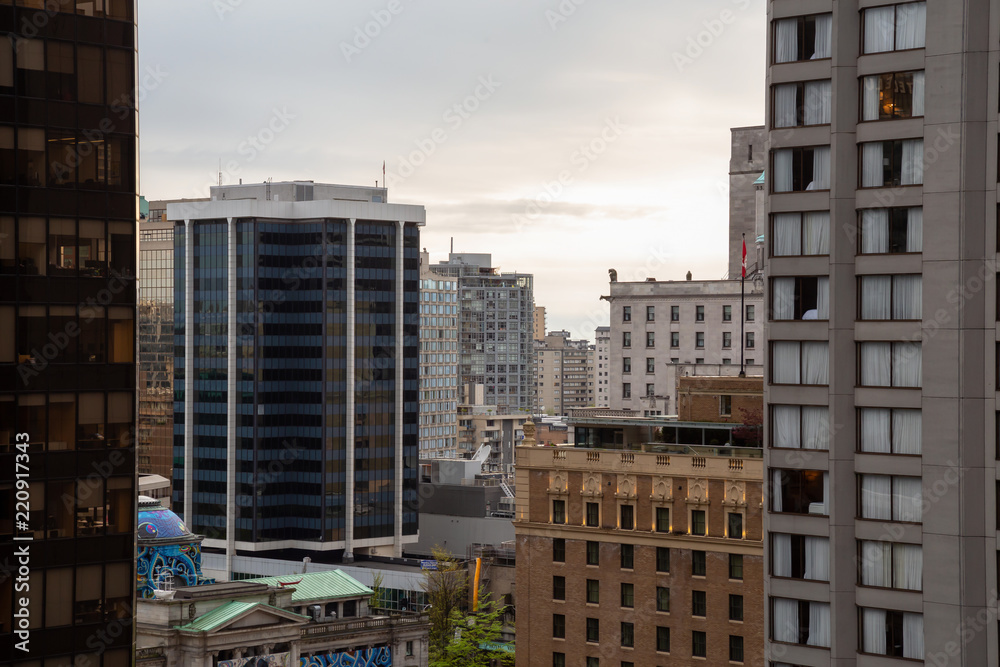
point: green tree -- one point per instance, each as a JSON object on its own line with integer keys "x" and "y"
{"x": 472, "y": 636}
{"x": 446, "y": 589}
{"x": 376, "y": 601}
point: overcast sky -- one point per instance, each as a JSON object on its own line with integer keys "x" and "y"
{"x": 565, "y": 138}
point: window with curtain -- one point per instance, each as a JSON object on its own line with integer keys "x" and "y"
{"x": 803, "y": 103}
{"x": 891, "y": 565}
{"x": 795, "y": 234}
{"x": 794, "y": 362}
{"x": 891, "y": 297}
{"x": 891, "y": 498}
{"x": 800, "y": 556}
{"x": 890, "y": 431}
{"x": 891, "y": 230}
{"x": 800, "y": 622}
{"x": 891, "y": 163}
{"x": 894, "y": 27}
{"x": 802, "y": 38}
{"x": 885, "y": 364}
{"x": 800, "y": 491}
{"x": 800, "y": 169}
{"x": 806, "y": 298}
{"x": 893, "y": 633}
{"x": 893, "y": 95}
{"x": 800, "y": 427}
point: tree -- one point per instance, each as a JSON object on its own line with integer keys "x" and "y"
{"x": 378, "y": 592}
{"x": 472, "y": 637}
{"x": 751, "y": 429}
{"x": 446, "y": 590}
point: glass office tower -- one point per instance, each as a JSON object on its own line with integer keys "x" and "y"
{"x": 68, "y": 209}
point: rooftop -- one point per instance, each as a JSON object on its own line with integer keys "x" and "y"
{"x": 314, "y": 586}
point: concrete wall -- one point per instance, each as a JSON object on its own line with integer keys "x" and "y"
{"x": 456, "y": 533}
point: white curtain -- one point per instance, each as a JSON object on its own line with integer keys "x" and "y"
{"x": 918, "y": 94}
{"x": 815, "y": 363}
{"x": 783, "y": 298}
{"x": 815, "y": 427}
{"x": 781, "y": 555}
{"x": 816, "y": 233}
{"x": 874, "y": 231}
{"x": 787, "y": 234}
{"x": 817, "y": 559}
{"x": 907, "y": 432}
{"x": 821, "y": 168}
{"x": 876, "y": 494}
{"x": 776, "y": 505}
{"x": 873, "y": 640}
{"x": 785, "y": 362}
{"x": 786, "y": 105}
{"x": 786, "y": 426}
{"x": 876, "y": 564}
{"x": 786, "y": 41}
{"x": 906, "y": 364}
{"x": 870, "y": 98}
{"x": 871, "y": 165}
{"x": 875, "y": 430}
{"x": 783, "y": 170}
{"x": 875, "y": 364}
{"x": 817, "y": 102}
{"x": 908, "y": 566}
{"x": 824, "y": 23}
{"x": 911, "y": 26}
{"x": 913, "y": 632}
{"x": 912, "y": 171}
{"x": 876, "y": 297}
{"x": 915, "y": 229}
{"x": 819, "y": 624}
{"x": 786, "y": 620}
{"x": 879, "y": 29}
{"x": 823, "y": 298}
{"x": 907, "y": 500}
{"x": 907, "y": 297}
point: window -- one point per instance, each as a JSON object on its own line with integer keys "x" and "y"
{"x": 891, "y": 230}
{"x": 749, "y": 362}
{"x": 793, "y": 362}
{"x": 727, "y": 339}
{"x": 886, "y": 297}
{"x": 558, "y": 511}
{"x": 697, "y": 522}
{"x": 593, "y": 630}
{"x": 593, "y": 553}
{"x": 698, "y": 603}
{"x": 663, "y": 519}
{"x": 650, "y": 365}
{"x": 662, "y": 599}
{"x": 798, "y": 104}
{"x": 628, "y": 634}
{"x": 734, "y": 526}
{"x": 558, "y": 550}
{"x": 593, "y": 591}
{"x": 558, "y": 588}
{"x": 895, "y": 633}
{"x": 698, "y": 563}
{"x": 725, "y": 405}
{"x": 735, "y": 648}
{"x": 795, "y": 234}
{"x": 890, "y": 431}
{"x": 749, "y": 313}
{"x": 891, "y": 163}
{"x": 626, "y": 390}
{"x": 892, "y": 96}
{"x": 559, "y": 626}
{"x": 650, "y": 313}
{"x": 805, "y": 298}
{"x": 675, "y": 339}
{"x": 800, "y": 427}
{"x": 628, "y": 556}
{"x": 628, "y": 595}
{"x": 726, "y": 361}
{"x": 890, "y": 364}
{"x": 735, "y": 566}
{"x": 894, "y": 28}
{"x": 593, "y": 515}
{"x": 593, "y": 662}
{"x": 800, "y": 169}
{"x": 675, "y": 313}
{"x": 699, "y": 339}
{"x": 626, "y": 313}
{"x": 558, "y": 660}
{"x": 409, "y": 649}
{"x": 699, "y": 644}
{"x": 626, "y": 339}
{"x": 735, "y": 607}
{"x": 799, "y": 491}
{"x": 650, "y": 339}
{"x": 650, "y": 389}
{"x": 890, "y": 498}
{"x": 891, "y": 565}
{"x": 800, "y": 622}
{"x": 662, "y": 639}
{"x": 699, "y": 313}
{"x": 727, "y": 313}
{"x": 802, "y": 38}
{"x": 626, "y": 364}
{"x": 627, "y": 517}
{"x": 663, "y": 559}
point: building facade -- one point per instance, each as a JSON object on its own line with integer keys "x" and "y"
{"x": 68, "y": 214}
{"x": 602, "y": 367}
{"x": 438, "y": 363}
{"x": 296, "y": 373}
{"x": 746, "y": 199}
{"x": 564, "y": 371}
{"x": 883, "y": 170}
{"x": 539, "y": 323}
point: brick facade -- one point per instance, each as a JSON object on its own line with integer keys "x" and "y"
{"x": 701, "y": 398}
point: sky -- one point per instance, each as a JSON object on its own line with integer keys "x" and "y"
{"x": 565, "y": 137}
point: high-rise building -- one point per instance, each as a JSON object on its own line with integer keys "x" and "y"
{"x": 438, "y": 363}
{"x": 68, "y": 215}
{"x": 602, "y": 366}
{"x": 495, "y": 335}
{"x": 565, "y": 373}
{"x": 883, "y": 172}
{"x": 538, "y": 323}
{"x": 296, "y": 373}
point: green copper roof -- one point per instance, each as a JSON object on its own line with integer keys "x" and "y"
{"x": 318, "y": 585}
{"x": 226, "y": 613}
{"x": 760, "y": 179}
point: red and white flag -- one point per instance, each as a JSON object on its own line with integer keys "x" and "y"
{"x": 744, "y": 257}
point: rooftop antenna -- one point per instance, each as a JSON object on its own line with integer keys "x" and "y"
{"x": 220, "y": 172}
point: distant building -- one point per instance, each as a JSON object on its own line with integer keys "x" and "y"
{"x": 480, "y": 424}
{"x": 539, "y": 323}
{"x": 746, "y": 198}
{"x": 564, "y": 371}
{"x": 439, "y": 357}
{"x": 720, "y": 399}
{"x": 602, "y": 366}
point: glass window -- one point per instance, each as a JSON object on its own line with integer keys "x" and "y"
{"x": 8, "y": 248}
{"x": 628, "y": 634}
{"x": 650, "y": 339}
{"x": 799, "y": 491}
{"x": 698, "y": 563}
{"x": 663, "y": 519}
{"x": 62, "y": 422}
{"x": 884, "y": 364}
{"x": 890, "y": 431}
{"x": 90, "y": 432}
{"x": 626, "y": 390}
{"x": 891, "y": 163}
{"x": 799, "y": 104}
{"x": 800, "y": 169}
{"x": 735, "y": 566}
{"x": 802, "y": 38}
{"x": 650, "y": 365}
{"x": 30, "y": 55}
{"x": 593, "y": 591}
{"x": 675, "y": 313}
{"x": 90, "y": 74}
{"x": 891, "y": 565}
{"x": 92, "y": 254}
{"x": 93, "y": 329}
{"x": 627, "y": 595}
{"x": 698, "y": 603}
{"x": 593, "y": 515}
{"x": 699, "y": 644}
{"x": 593, "y": 630}
{"x": 58, "y": 601}
{"x": 558, "y": 659}
{"x": 800, "y": 298}
{"x": 749, "y": 313}
{"x": 558, "y": 626}
{"x": 727, "y": 313}
{"x": 699, "y": 339}
{"x": 735, "y": 526}
{"x": 593, "y": 553}
{"x": 121, "y": 257}
{"x": 558, "y": 511}
{"x": 31, "y": 246}
{"x": 558, "y": 588}
{"x": 663, "y": 559}
{"x": 8, "y": 168}
{"x": 627, "y": 517}
{"x": 31, "y": 330}
{"x": 662, "y": 639}
{"x": 894, "y": 27}
{"x": 558, "y": 550}
{"x": 698, "y": 522}
{"x": 891, "y": 230}
{"x": 800, "y": 234}
{"x": 626, "y": 339}
{"x": 626, "y": 364}
{"x": 893, "y": 633}
{"x": 735, "y": 607}
{"x": 627, "y": 556}
{"x": 735, "y": 648}
{"x": 699, "y": 313}
{"x": 626, "y": 313}
{"x": 675, "y": 339}
{"x": 891, "y": 96}
{"x": 662, "y": 599}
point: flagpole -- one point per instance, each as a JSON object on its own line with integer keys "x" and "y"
{"x": 743, "y": 276}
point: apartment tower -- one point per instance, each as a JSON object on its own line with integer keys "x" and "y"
{"x": 882, "y": 123}
{"x": 438, "y": 363}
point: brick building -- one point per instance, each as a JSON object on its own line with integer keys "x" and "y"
{"x": 718, "y": 399}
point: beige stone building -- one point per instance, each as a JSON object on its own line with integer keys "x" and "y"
{"x": 564, "y": 372}
{"x": 602, "y": 366}
{"x": 539, "y": 323}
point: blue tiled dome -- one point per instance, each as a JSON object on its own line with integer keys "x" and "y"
{"x": 156, "y": 522}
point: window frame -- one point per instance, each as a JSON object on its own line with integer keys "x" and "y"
{"x": 898, "y": 217}
{"x": 630, "y": 559}
{"x": 804, "y": 174}
{"x": 596, "y": 547}
{"x": 558, "y": 587}
{"x": 893, "y": 86}
{"x": 892, "y": 295}
{"x": 699, "y": 564}
{"x": 800, "y": 104}
{"x": 895, "y": 7}
{"x": 735, "y": 608}
{"x": 663, "y": 558}
{"x": 663, "y": 599}
{"x": 699, "y": 644}
{"x": 699, "y": 603}
{"x": 662, "y": 639}
{"x": 593, "y": 630}
{"x": 626, "y": 313}
{"x": 592, "y": 521}
{"x": 736, "y": 567}
{"x": 627, "y": 595}
{"x": 801, "y": 32}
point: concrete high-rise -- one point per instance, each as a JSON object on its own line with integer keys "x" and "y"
{"x": 296, "y": 373}
{"x": 883, "y": 169}
{"x": 439, "y": 391}
{"x": 68, "y": 215}
{"x": 565, "y": 373}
